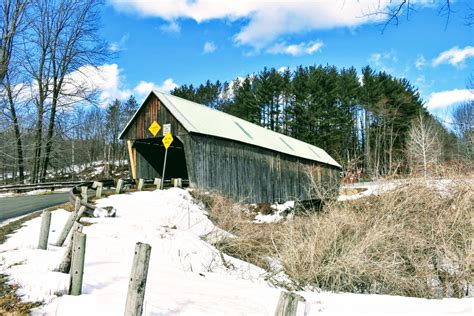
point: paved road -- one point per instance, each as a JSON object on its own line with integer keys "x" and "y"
{"x": 20, "y": 205}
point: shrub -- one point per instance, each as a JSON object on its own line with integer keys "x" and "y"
{"x": 412, "y": 241}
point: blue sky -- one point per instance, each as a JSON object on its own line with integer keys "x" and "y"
{"x": 164, "y": 43}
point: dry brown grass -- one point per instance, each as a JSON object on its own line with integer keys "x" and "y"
{"x": 413, "y": 241}
{"x": 252, "y": 243}
{"x": 10, "y": 303}
{"x": 402, "y": 242}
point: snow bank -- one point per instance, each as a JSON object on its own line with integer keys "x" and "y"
{"x": 187, "y": 276}
{"x": 8, "y": 194}
{"x": 379, "y": 187}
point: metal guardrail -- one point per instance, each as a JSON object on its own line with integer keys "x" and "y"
{"x": 76, "y": 190}
{"x": 18, "y": 188}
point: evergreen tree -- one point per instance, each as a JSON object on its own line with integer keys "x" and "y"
{"x": 361, "y": 122}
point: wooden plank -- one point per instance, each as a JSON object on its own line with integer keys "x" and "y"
{"x": 134, "y": 151}
{"x": 132, "y": 158}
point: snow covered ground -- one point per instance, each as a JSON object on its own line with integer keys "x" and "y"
{"x": 187, "y": 275}
{"x": 379, "y": 187}
{"x": 8, "y": 194}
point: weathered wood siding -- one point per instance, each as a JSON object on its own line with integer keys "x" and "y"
{"x": 253, "y": 174}
{"x": 240, "y": 171}
{"x": 152, "y": 110}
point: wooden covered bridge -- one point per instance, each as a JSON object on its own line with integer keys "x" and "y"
{"x": 219, "y": 152}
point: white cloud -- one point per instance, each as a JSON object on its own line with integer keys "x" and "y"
{"x": 444, "y": 99}
{"x": 296, "y": 49}
{"x": 265, "y": 20}
{"x": 454, "y": 56}
{"x": 114, "y": 47}
{"x": 119, "y": 45}
{"x": 420, "y": 62}
{"x": 171, "y": 27}
{"x": 105, "y": 82}
{"x": 145, "y": 87}
{"x": 209, "y": 47}
{"x": 380, "y": 60}
{"x": 100, "y": 84}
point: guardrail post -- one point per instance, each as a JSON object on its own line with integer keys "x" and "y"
{"x": 98, "y": 190}
{"x": 77, "y": 262}
{"x": 137, "y": 284}
{"x": 157, "y": 182}
{"x": 177, "y": 182}
{"x": 141, "y": 182}
{"x": 74, "y": 216}
{"x": 44, "y": 231}
{"x": 84, "y": 194}
{"x": 118, "y": 189}
{"x": 77, "y": 204}
{"x": 288, "y": 304}
{"x": 65, "y": 265}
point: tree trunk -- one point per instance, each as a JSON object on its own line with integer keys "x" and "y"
{"x": 49, "y": 140}
{"x": 37, "y": 151}
{"x": 367, "y": 143}
{"x": 16, "y": 128}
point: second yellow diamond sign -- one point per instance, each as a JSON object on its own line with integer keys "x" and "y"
{"x": 167, "y": 140}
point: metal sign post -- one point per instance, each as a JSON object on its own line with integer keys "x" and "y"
{"x": 167, "y": 140}
{"x": 164, "y": 168}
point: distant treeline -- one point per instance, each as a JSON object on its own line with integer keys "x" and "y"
{"x": 361, "y": 120}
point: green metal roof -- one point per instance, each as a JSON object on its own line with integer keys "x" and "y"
{"x": 198, "y": 118}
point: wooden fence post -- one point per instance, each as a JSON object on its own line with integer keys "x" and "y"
{"x": 77, "y": 262}
{"x": 157, "y": 182}
{"x": 65, "y": 265}
{"x": 74, "y": 216}
{"x": 288, "y": 304}
{"x": 118, "y": 189}
{"x": 141, "y": 182}
{"x": 44, "y": 231}
{"x": 137, "y": 284}
{"x": 84, "y": 194}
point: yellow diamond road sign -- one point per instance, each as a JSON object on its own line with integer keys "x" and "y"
{"x": 154, "y": 128}
{"x": 167, "y": 140}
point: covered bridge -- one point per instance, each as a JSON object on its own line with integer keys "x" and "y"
{"x": 219, "y": 152}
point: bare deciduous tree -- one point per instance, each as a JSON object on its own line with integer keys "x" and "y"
{"x": 74, "y": 44}
{"x": 423, "y": 145}
{"x": 62, "y": 40}
{"x": 10, "y": 23}
{"x": 463, "y": 117}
